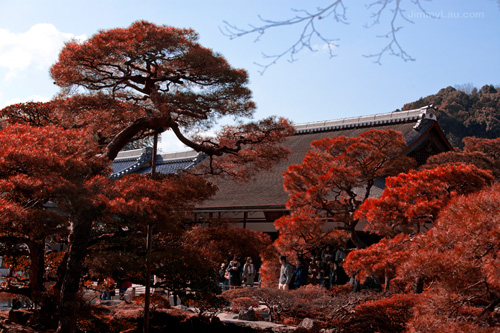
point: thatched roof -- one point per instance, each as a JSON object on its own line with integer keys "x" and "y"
{"x": 265, "y": 192}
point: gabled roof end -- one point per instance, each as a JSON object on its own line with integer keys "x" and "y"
{"x": 427, "y": 113}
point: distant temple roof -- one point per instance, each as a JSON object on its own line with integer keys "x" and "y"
{"x": 139, "y": 161}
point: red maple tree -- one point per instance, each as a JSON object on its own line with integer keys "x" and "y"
{"x": 381, "y": 259}
{"x": 459, "y": 260}
{"x": 220, "y": 241}
{"x": 483, "y": 153}
{"x": 409, "y": 205}
{"x": 130, "y": 207}
{"x": 413, "y": 200}
{"x": 337, "y": 175}
{"x": 45, "y": 173}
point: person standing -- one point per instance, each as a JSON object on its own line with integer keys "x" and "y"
{"x": 340, "y": 275}
{"x": 330, "y": 274}
{"x": 327, "y": 254}
{"x": 286, "y": 274}
{"x": 340, "y": 255}
{"x": 318, "y": 272}
{"x": 223, "y": 276}
{"x": 234, "y": 273}
{"x": 249, "y": 272}
{"x": 299, "y": 274}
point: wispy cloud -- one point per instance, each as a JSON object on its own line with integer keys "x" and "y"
{"x": 326, "y": 47}
{"x": 36, "y": 48}
{"x": 34, "y": 98}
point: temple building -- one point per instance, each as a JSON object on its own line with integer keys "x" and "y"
{"x": 259, "y": 202}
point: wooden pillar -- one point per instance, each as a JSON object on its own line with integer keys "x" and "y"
{"x": 149, "y": 245}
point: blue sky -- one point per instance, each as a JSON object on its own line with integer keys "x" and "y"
{"x": 461, "y": 45}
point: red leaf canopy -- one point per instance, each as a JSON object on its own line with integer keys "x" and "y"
{"x": 336, "y": 176}
{"x": 410, "y": 200}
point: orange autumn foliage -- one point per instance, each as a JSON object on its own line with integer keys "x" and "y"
{"x": 220, "y": 241}
{"x": 381, "y": 259}
{"x": 411, "y": 200}
{"x": 41, "y": 169}
{"x": 463, "y": 246}
{"x": 384, "y": 315}
{"x": 483, "y": 153}
{"x": 337, "y": 175}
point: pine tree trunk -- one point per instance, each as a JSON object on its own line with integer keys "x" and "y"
{"x": 418, "y": 286}
{"x": 68, "y": 305}
{"x": 387, "y": 283}
{"x": 37, "y": 264}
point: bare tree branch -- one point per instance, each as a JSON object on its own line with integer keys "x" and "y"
{"x": 310, "y": 33}
{"x": 393, "y": 46}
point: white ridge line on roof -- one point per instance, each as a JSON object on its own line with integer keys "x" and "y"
{"x": 380, "y": 118}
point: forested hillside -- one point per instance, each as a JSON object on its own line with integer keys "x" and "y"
{"x": 461, "y": 114}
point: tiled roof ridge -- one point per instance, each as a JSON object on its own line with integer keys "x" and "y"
{"x": 177, "y": 160}
{"x": 143, "y": 160}
{"x": 132, "y": 155}
{"x": 187, "y": 155}
{"x": 417, "y": 115}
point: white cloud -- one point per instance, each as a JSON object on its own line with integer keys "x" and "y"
{"x": 326, "y": 47}
{"x": 38, "y": 47}
{"x": 170, "y": 144}
{"x": 34, "y": 98}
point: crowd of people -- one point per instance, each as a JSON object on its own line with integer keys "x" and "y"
{"x": 323, "y": 269}
{"x": 233, "y": 275}
{"x": 314, "y": 272}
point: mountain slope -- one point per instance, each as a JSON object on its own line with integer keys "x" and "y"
{"x": 460, "y": 114}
